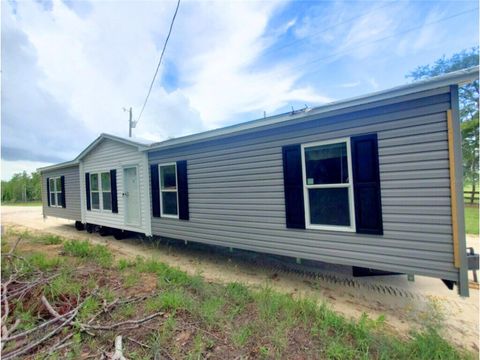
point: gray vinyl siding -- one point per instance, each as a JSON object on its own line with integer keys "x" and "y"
{"x": 236, "y": 193}
{"x": 72, "y": 210}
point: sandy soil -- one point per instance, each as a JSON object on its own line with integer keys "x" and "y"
{"x": 402, "y": 313}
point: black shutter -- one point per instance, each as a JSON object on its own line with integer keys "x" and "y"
{"x": 155, "y": 190}
{"x": 293, "y": 187}
{"x": 366, "y": 184}
{"x": 87, "y": 190}
{"x": 48, "y": 191}
{"x": 62, "y": 181}
{"x": 182, "y": 179}
{"x": 113, "y": 189}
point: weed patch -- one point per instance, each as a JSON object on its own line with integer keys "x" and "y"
{"x": 83, "y": 249}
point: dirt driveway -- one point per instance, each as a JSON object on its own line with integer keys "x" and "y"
{"x": 426, "y": 298}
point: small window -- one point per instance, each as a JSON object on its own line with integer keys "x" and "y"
{"x": 100, "y": 191}
{"x": 328, "y": 185}
{"x": 106, "y": 191}
{"x": 55, "y": 188}
{"x": 168, "y": 190}
{"x": 53, "y": 197}
{"x": 94, "y": 192}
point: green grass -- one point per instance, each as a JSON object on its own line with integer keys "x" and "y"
{"x": 63, "y": 285}
{"x": 40, "y": 261}
{"x": 471, "y": 219}
{"x": 85, "y": 250}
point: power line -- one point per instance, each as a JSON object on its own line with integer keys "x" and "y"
{"x": 316, "y": 35}
{"x": 381, "y": 39}
{"x": 396, "y": 34}
{"x": 159, "y": 61}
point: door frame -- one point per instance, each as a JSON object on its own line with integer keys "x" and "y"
{"x": 125, "y": 206}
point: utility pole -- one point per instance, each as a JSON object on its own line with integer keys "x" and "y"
{"x": 131, "y": 123}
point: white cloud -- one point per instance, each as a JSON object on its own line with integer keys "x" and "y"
{"x": 13, "y": 167}
{"x": 98, "y": 63}
{"x": 430, "y": 32}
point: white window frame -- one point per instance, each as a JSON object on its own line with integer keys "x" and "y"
{"x": 349, "y": 185}
{"x": 161, "y": 191}
{"x": 54, "y": 191}
{"x": 100, "y": 191}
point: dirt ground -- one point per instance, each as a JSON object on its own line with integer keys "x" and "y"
{"x": 427, "y": 298}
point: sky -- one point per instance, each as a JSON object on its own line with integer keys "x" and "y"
{"x": 69, "y": 68}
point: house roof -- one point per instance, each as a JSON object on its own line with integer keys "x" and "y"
{"x": 453, "y": 78}
{"x": 58, "y": 166}
{"x": 140, "y": 144}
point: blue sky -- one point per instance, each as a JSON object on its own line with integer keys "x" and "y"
{"x": 69, "y": 67}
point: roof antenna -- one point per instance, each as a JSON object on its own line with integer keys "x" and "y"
{"x": 264, "y": 114}
{"x": 293, "y": 111}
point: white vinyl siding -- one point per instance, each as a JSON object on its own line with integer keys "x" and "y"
{"x": 341, "y": 203}
{"x": 109, "y": 154}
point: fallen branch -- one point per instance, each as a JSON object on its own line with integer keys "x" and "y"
{"x": 49, "y": 307}
{"x": 136, "y": 323}
{"x": 61, "y": 344}
{"x": 33, "y": 345}
{"x": 15, "y": 246}
{"x": 64, "y": 346}
{"x": 205, "y": 331}
{"x": 28, "y": 332}
{"x": 105, "y": 309}
{"x": 23, "y": 290}
{"x": 118, "y": 355}
{"x": 138, "y": 342}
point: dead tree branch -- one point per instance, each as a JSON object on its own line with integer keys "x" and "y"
{"x": 134, "y": 323}
{"x": 34, "y": 344}
{"x": 49, "y": 307}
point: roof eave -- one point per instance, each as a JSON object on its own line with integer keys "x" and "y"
{"x": 58, "y": 166}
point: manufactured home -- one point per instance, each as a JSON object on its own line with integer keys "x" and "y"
{"x": 106, "y": 186}
{"x": 371, "y": 182}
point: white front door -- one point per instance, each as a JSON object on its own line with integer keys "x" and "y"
{"x": 131, "y": 194}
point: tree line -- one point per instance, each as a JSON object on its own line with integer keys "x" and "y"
{"x": 22, "y": 187}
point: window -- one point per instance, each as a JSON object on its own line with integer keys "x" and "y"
{"x": 168, "y": 190}
{"x": 328, "y": 185}
{"x": 55, "y": 188}
{"x": 100, "y": 191}
{"x": 106, "y": 191}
